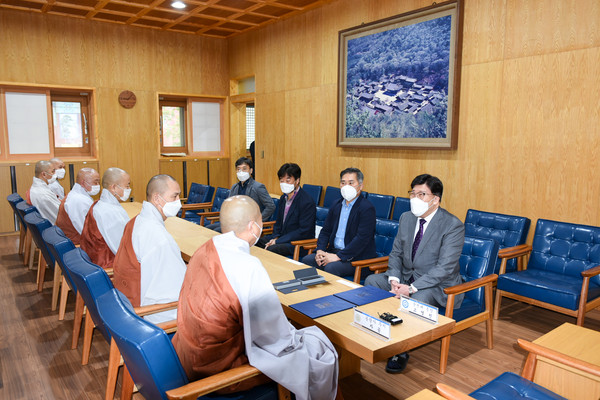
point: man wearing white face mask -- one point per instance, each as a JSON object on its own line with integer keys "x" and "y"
{"x": 229, "y": 315}
{"x": 106, "y": 219}
{"x": 348, "y": 233}
{"x": 296, "y": 215}
{"x": 40, "y": 194}
{"x": 74, "y": 208}
{"x": 148, "y": 268}
{"x": 60, "y": 174}
{"x": 424, "y": 257}
{"x": 247, "y": 186}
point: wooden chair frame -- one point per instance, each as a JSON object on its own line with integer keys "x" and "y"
{"x": 535, "y": 351}
{"x": 522, "y": 252}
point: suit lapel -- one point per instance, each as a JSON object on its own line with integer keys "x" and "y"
{"x": 432, "y": 229}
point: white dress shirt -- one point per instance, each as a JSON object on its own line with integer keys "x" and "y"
{"x": 161, "y": 267}
{"x": 77, "y": 205}
{"x": 111, "y": 219}
{"x": 44, "y": 199}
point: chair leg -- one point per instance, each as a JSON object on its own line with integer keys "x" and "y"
{"x": 87, "y": 339}
{"x": 497, "y": 303}
{"x": 64, "y": 294}
{"x": 41, "y": 271}
{"x": 489, "y": 322}
{"x": 27, "y": 248}
{"x": 22, "y": 234}
{"x": 284, "y": 394}
{"x": 32, "y": 248}
{"x": 445, "y": 349}
{"x": 127, "y": 386}
{"x": 79, "y": 306}
{"x": 114, "y": 359}
{"x": 56, "y": 285}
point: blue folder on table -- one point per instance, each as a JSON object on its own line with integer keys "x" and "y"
{"x": 364, "y": 295}
{"x": 322, "y": 306}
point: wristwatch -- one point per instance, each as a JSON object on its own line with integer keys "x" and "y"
{"x": 410, "y": 289}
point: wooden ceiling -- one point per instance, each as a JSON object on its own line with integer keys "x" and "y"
{"x": 214, "y": 18}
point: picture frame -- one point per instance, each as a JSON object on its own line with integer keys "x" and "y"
{"x": 399, "y": 80}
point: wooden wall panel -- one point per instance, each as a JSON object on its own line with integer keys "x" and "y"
{"x": 7, "y": 223}
{"x": 219, "y": 173}
{"x": 529, "y": 109}
{"x": 173, "y": 168}
{"x": 53, "y": 50}
{"x": 197, "y": 171}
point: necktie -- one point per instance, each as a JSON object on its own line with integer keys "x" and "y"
{"x": 418, "y": 238}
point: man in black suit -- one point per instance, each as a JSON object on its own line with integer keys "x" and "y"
{"x": 349, "y": 230}
{"x": 296, "y": 216}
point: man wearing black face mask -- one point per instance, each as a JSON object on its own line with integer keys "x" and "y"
{"x": 348, "y": 232}
{"x": 424, "y": 258}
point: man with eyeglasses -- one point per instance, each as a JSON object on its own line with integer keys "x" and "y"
{"x": 424, "y": 258}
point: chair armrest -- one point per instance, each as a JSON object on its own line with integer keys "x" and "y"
{"x": 168, "y": 326}
{"x": 450, "y": 393}
{"x": 515, "y": 251}
{"x": 554, "y": 355}
{"x": 205, "y": 214}
{"x": 183, "y": 199}
{"x": 212, "y": 383}
{"x": 155, "y": 308}
{"x": 308, "y": 244}
{"x": 268, "y": 227}
{"x": 110, "y": 272}
{"x": 588, "y": 273}
{"x": 214, "y": 218}
{"x": 194, "y": 206}
{"x": 379, "y": 262}
{"x": 474, "y": 284}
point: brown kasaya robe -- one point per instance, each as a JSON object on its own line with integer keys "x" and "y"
{"x": 93, "y": 243}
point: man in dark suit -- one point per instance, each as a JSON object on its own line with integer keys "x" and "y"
{"x": 349, "y": 230}
{"x": 296, "y": 216}
{"x": 425, "y": 254}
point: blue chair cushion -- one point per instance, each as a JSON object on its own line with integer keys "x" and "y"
{"x": 512, "y": 386}
{"x": 550, "y": 287}
{"x": 321, "y": 215}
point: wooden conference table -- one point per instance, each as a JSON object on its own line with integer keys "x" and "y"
{"x": 353, "y": 343}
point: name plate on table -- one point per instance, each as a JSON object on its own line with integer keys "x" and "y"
{"x": 304, "y": 277}
{"x": 422, "y": 310}
{"x": 372, "y": 324}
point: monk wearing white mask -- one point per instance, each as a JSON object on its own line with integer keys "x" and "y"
{"x": 40, "y": 194}
{"x": 60, "y": 174}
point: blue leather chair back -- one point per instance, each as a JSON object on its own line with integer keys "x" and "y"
{"x": 200, "y": 193}
{"x": 23, "y": 209}
{"x": 385, "y": 233}
{"x": 321, "y": 215}
{"x": 401, "y": 205}
{"x": 91, "y": 282}
{"x": 146, "y": 349}
{"x": 507, "y": 230}
{"x": 276, "y": 212}
{"x": 477, "y": 260}
{"x": 59, "y": 245}
{"x": 13, "y": 200}
{"x": 331, "y": 195}
{"x": 38, "y": 225}
{"x": 383, "y": 204}
{"x": 220, "y": 195}
{"x": 565, "y": 248}
{"x": 314, "y": 191}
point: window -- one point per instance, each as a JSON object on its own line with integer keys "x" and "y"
{"x": 41, "y": 122}
{"x": 250, "y": 135}
{"x": 192, "y": 126}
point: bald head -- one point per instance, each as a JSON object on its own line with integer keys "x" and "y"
{"x": 237, "y": 213}
{"x": 57, "y": 162}
{"x": 88, "y": 177}
{"x": 158, "y": 184}
{"x": 43, "y": 166}
{"x": 113, "y": 176}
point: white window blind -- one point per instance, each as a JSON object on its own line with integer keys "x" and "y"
{"x": 27, "y": 122}
{"x": 206, "y": 126}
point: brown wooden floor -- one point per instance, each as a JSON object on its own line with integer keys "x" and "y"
{"x": 36, "y": 360}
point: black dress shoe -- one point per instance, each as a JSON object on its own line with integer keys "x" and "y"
{"x": 397, "y": 364}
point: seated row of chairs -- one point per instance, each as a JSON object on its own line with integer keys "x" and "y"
{"x": 146, "y": 348}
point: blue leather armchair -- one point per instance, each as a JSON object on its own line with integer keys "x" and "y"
{"x": 385, "y": 233}
{"x": 314, "y": 191}
{"x": 512, "y": 386}
{"x": 59, "y": 245}
{"x": 508, "y": 230}
{"x": 401, "y": 205}
{"x": 36, "y": 225}
{"x": 199, "y": 198}
{"x": 208, "y": 217}
{"x": 152, "y": 363}
{"x": 477, "y": 262}
{"x": 562, "y": 273}
{"x": 383, "y": 204}
{"x": 23, "y": 208}
{"x": 13, "y": 200}
{"x": 332, "y": 193}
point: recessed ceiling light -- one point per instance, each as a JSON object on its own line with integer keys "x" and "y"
{"x": 178, "y": 4}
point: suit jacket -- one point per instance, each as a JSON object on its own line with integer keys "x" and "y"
{"x": 258, "y": 192}
{"x": 359, "y": 239}
{"x": 300, "y": 221}
{"x": 436, "y": 261}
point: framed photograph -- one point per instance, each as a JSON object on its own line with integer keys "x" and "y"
{"x": 399, "y": 80}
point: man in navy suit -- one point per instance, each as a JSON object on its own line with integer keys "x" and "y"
{"x": 349, "y": 230}
{"x": 296, "y": 216}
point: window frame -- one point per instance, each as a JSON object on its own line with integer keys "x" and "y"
{"x": 85, "y": 123}
{"x": 170, "y": 102}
